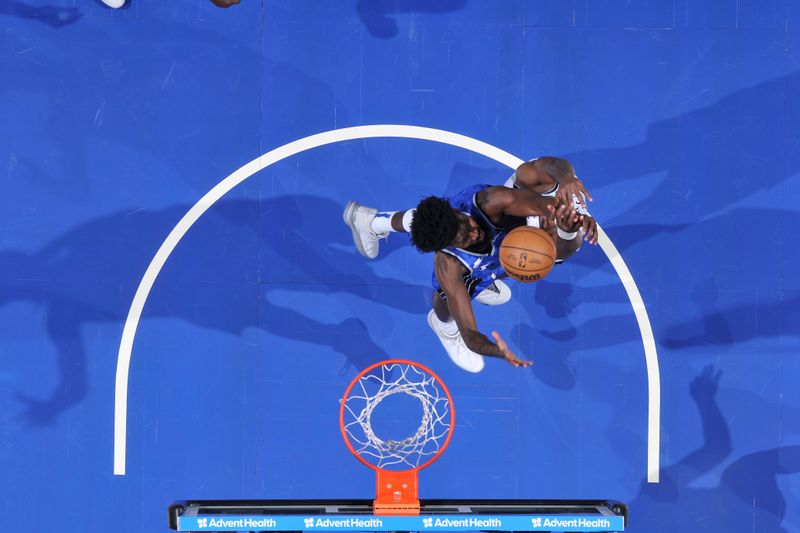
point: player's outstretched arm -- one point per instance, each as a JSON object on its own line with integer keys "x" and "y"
{"x": 449, "y": 272}
{"x": 499, "y": 201}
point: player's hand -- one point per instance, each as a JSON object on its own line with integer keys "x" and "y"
{"x": 589, "y": 227}
{"x": 705, "y": 386}
{"x": 567, "y": 218}
{"x": 507, "y": 354}
{"x": 547, "y": 219}
{"x": 570, "y": 187}
{"x": 224, "y": 3}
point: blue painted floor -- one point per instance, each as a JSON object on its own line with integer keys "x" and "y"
{"x": 682, "y": 118}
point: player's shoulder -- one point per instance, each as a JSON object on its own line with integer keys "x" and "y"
{"x": 448, "y": 261}
{"x": 494, "y": 198}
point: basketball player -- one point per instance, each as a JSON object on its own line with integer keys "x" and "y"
{"x": 552, "y": 177}
{"x": 465, "y": 232}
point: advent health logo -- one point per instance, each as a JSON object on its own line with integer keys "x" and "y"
{"x": 236, "y": 524}
{"x": 472, "y": 522}
{"x": 350, "y": 522}
{"x": 584, "y": 524}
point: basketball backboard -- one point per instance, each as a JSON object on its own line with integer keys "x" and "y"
{"x": 435, "y": 515}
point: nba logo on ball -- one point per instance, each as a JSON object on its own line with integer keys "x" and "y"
{"x": 527, "y": 254}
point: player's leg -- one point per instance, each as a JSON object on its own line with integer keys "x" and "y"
{"x": 368, "y": 226}
{"x": 442, "y": 310}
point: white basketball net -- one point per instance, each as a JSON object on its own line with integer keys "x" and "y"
{"x": 396, "y": 378}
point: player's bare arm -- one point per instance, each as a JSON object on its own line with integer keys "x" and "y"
{"x": 540, "y": 175}
{"x": 531, "y": 177}
{"x": 498, "y": 201}
{"x": 450, "y": 272}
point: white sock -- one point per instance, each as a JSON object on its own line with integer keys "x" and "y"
{"x": 408, "y": 216}
{"x": 448, "y": 328}
{"x": 382, "y": 223}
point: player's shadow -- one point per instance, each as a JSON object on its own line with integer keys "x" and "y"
{"x": 721, "y": 327}
{"x": 716, "y": 328}
{"x": 706, "y": 322}
{"x": 376, "y": 15}
{"x": 53, "y": 16}
{"x": 750, "y": 479}
{"x": 89, "y": 274}
{"x": 625, "y": 237}
{"x": 691, "y": 148}
{"x": 317, "y": 247}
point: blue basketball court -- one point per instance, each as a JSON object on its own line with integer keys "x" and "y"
{"x": 182, "y": 306}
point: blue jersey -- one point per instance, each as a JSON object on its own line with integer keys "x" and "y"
{"x": 482, "y": 269}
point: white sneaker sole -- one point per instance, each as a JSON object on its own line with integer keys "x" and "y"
{"x": 495, "y": 298}
{"x": 349, "y": 216}
{"x": 477, "y": 364}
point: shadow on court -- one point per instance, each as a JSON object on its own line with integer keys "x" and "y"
{"x": 377, "y": 15}
{"x": 727, "y": 326}
{"x": 89, "y": 275}
{"x": 751, "y": 479}
{"x": 691, "y": 147}
{"x": 53, "y": 16}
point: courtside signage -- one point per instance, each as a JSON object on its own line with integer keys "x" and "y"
{"x": 401, "y": 523}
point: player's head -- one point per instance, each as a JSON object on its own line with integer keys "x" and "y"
{"x": 437, "y": 225}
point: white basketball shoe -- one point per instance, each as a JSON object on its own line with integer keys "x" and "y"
{"x": 360, "y": 218}
{"x": 497, "y": 293}
{"x": 456, "y": 348}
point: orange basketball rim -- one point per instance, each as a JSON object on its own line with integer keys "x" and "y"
{"x": 397, "y": 462}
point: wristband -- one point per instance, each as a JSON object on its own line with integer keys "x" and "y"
{"x": 533, "y": 222}
{"x": 566, "y": 235}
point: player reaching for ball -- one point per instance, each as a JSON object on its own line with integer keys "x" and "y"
{"x": 466, "y": 231}
{"x": 548, "y": 176}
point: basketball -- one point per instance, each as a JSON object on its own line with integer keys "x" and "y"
{"x": 527, "y": 254}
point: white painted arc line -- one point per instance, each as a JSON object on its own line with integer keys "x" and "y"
{"x": 650, "y": 355}
{"x": 347, "y": 134}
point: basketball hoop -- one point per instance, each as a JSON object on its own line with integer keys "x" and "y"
{"x": 397, "y": 461}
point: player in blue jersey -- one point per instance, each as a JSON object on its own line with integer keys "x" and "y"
{"x": 465, "y": 231}
{"x": 552, "y": 177}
